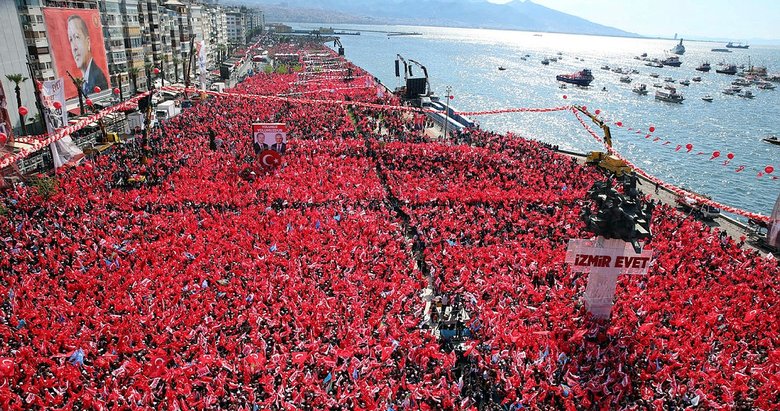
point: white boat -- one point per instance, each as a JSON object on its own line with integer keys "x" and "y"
{"x": 546, "y": 61}
{"x": 730, "y": 91}
{"x": 605, "y": 67}
{"x": 740, "y": 82}
{"x": 746, "y": 94}
{"x": 679, "y": 48}
{"x": 669, "y": 94}
{"x": 708, "y": 98}
{"x": 685, "y": 82}
{"x": 654, "y": 75}
{"x": 640, "y": 89}
{"x": 657, "y": 85}
{"x": 625, "y": 79}
{"x": 669, "y": 80}
{"x": 766, "y": 86}
{"x": 696, "y": 79}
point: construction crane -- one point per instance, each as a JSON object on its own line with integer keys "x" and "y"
{"x": 604, "y": 160}
{"x": 414, "y": 87}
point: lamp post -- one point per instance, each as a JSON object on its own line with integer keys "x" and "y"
{"x": 447, "y": 113}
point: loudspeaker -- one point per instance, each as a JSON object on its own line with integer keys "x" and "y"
{"x": 341, "y": 51}
{"x": 397, "y": 69}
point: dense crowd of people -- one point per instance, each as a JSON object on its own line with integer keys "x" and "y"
{"x": 212, "y": 283}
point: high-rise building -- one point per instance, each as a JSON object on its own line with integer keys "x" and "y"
{"x": 13, "y": 50}
{"x": 134, "y": 50}
{"x": 236, "y": 26}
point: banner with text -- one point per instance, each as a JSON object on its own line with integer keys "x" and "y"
{"x": 63, "y": 151}
{"x": 272, "y": 136}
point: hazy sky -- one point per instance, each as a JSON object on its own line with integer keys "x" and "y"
{"x": 730, "y": 19}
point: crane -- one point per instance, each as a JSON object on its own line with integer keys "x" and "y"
{"x": 606, "y": 161}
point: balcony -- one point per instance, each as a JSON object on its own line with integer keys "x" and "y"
{"x": 42, "y": 42}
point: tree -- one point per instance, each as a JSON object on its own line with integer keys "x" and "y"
{"x": 176, "y": 62}
{"x": 79, "y": 82}
{"x": 133, "y": 72}
{"x": 18, "y": 79}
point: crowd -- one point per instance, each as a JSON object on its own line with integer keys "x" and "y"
{"x": 197, "y": 287}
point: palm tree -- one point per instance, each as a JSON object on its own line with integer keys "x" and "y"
{"x": 18, "y": 79}
{"x": 79, "y": 83}
{"x": 133, "y": 72}
{"x": 176, "y": 62}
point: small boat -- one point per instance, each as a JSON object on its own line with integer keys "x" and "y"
{"x": 740, "y": 82}
{"x": 705, "y": 67}
{"x": 546, "y": 61}
{"x": 728, "y": 69}
{"x": 501, "y": 68}
{"x": 721, "y": 50}
{"x": 696, "y": 79}
{"x": 766, "y": 86}
{"x": 671, "y": 61}
{"x": 605, "y": 67}
{"x": 737, "y": 46}
{"x": 640, "y": 89}
{"x": 625, "y": 79}
{"x": 523, "y": 58}
{"x": 634, "y": 71}
{"x": 669, "y": 80}
{"x": 643, "y": 55}
{"x": 654, "y": 75}
{"x": 685, "y": 82}
{"x": 656, "y": 64}
{"x": 669, "y": 94}
{"x": 553, "y": 59}
{"x": 772, "y": 140}
{"x": 746, "y": 94}
{"x": 657, "y": 85}
{"x": 679, "y": 48}
{"x": 708, "y": 98}
{"x": 730, "y": 91}
{"x": 580, "y": 78}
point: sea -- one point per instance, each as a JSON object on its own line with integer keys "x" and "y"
{"x": 467, "y": 60}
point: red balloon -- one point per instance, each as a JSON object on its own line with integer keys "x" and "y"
{"x": 715, "y": 154}
{"x": 96, "y": 89}
{"x": 116, "y": 90}
{"x": 57, "y": 105}
{"x": 619, "y": 124}
{"x": 89, "y": 102}
{"x": 652, "y": 129}
{"x": 451, "y": 97}
{"x": 730, "y": 156}
{"x": 598, "y": 112}
{"x": 156, "y": 71}
{"x": 565, "y": 97}
{"x": 23, "y": 111}
{"x": 3, "y": 138}
{"x": 689, "y": 146}
{"x": 769, "y": 169}
{"x": 585, "y": 108}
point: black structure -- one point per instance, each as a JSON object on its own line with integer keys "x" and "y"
{"x": 611, "y": 214}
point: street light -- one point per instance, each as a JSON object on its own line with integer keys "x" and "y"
{"x": 447, "y": 113}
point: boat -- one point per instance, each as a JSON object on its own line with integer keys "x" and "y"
{"x": 523, "y": 58}
{"x": 546, "y": 61}
{"x": 685, "y": 82}
{"x": 740, "y": 82}
{"x": 580, "y": 78}
{"x": 656, "y": 64}
{"x": 625, "y": 79}
{"x": 728, "y": 69}
{"x": 562, "y": 86}
{"x": 704, "y": 67}
{"x": 669, "y": 80}
{"x": 772, "y": 140}
{"x": 654, "y": 75}
{"x": 605, "y": 67}
{"x": 501, "y": 68}
{"x": 721, "y": 50}
{"x": 695, "y": 207}
{"x": 696, "y": 79}
{"x": 679, "y": 48}
{"x": 640, "y": 89}
{"x": 737, "y": 46}
{"x": 746, "y": 94}
{"x": 669, "y": 94}
{"x": 643, "y": 55}
{"x": 553, "y": 59}
{"x": 671, "y": 61}
{"x": 657, "y": 85}
{"x": 766, "y": 86}
{"x": 730, "y": 91}
{"x": 708, "y": 98}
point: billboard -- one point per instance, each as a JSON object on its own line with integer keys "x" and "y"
{"x": 773, "y": 235}
{"x": 269, "y": 136}
{"x": 63, "y": 151}
{"x": 77, "y": 47}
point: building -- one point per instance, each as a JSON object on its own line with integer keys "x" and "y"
{"x": 13, "y": 50}
{"x": 134, "y": 50}
{"x": 236, "y": 27}
{"x": 255, "y": 21}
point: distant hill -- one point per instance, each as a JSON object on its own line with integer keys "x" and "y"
{"x": 516, "y": 15}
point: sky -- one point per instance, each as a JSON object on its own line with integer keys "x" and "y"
{"x": 737, "y": 20}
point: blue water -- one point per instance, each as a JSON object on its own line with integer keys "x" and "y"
{"x": 467, "y": 60}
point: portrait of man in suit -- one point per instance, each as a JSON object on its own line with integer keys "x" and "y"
{"x": 81, "y": 49}
{"x": 279, "y": 145}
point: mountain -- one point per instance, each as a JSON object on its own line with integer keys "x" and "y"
{"x": 515, "y": 15}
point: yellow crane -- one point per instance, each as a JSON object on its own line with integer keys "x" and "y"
{"x": 604, "y": 160}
